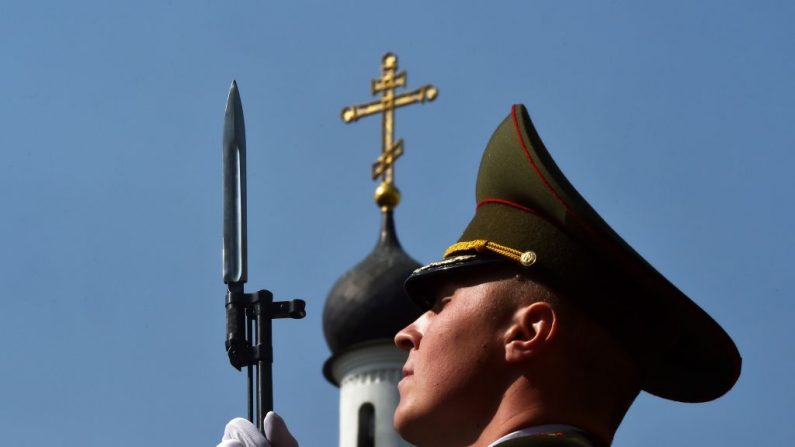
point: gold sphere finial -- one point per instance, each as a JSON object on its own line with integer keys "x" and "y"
{"x": 348, "y": 114}
{"x": 389, "y": 61}
{"x": 387, "y": 196}
{"x": 431, "y": 93}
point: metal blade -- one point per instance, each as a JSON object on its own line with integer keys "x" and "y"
{"x": 235, "y": 243}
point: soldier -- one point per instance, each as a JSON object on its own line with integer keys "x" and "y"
{"x": 542, "y": 325}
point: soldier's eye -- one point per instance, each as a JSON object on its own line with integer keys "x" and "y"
{"x": 439, "y": 304}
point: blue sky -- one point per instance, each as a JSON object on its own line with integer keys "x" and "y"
{"x": 673, "y": 119}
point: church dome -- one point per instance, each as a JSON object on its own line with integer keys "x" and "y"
{"x": 368, "y": 303}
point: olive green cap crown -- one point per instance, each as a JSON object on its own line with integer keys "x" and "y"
{"x": 530, "y": 216}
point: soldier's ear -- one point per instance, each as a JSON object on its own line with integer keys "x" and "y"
{"x": 532, "y": 328}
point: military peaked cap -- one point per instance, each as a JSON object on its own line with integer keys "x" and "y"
{"x": 530, "y": 216}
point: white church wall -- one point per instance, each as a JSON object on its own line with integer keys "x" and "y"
{"x": 370, "y": 374}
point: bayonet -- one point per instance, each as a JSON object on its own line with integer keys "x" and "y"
{"x": 235, "y": 243}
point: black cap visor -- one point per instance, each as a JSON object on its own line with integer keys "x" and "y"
{"x": 422, "y": 285}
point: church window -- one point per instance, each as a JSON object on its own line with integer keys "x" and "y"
{"x": 366, "y": 436}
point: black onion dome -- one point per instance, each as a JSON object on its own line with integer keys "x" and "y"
{"x": 368, "y": 302}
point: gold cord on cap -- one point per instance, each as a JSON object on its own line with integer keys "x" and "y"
{"x": 387, "y": 196}
{"x": 526, "y": 258}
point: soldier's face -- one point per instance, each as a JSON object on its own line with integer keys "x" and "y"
{"x": 455, "y": 365}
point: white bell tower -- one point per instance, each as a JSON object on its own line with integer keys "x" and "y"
{"x": 368, "y": 378}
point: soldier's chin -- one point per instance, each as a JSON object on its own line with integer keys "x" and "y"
{"x": 408, "y": 424}
{"x": 420, "y": 432}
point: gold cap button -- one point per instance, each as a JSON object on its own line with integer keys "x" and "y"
{"x": 528, "y": 258}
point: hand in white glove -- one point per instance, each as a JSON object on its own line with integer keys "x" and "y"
{"x": 240, "y": 432}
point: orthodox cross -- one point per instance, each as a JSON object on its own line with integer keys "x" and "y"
{"x": 389, "y": 101}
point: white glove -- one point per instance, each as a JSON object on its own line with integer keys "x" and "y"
{"x": 240, "y": 432}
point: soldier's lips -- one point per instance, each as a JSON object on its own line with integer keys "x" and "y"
{"x": 407, "y": 374}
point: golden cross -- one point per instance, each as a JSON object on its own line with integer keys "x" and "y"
{"x": 386, "y": 84}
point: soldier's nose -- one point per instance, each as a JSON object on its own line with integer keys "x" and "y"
{"x": 408, "y": 338}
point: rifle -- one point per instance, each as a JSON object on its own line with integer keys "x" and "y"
{"x": 248, "y": 315}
